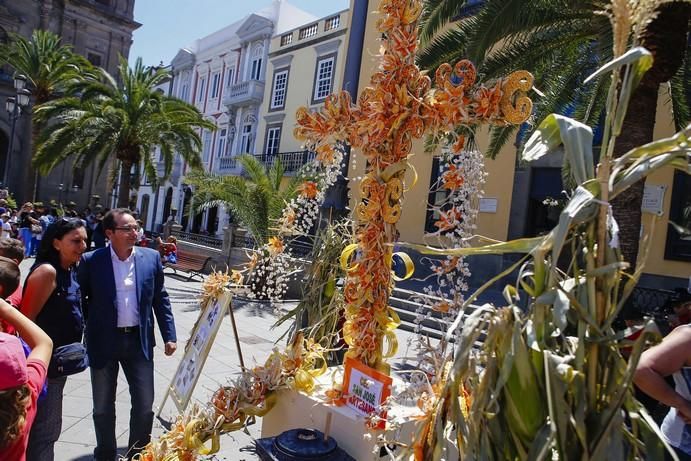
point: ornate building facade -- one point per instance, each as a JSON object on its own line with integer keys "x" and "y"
{"x": 101, "y": 31}
{"x": 224, "y": 74}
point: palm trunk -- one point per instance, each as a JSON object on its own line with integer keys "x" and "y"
{"x": 665, "y": 38}
{"x": 124, "y": 187}
{"x": 30, "y": 177}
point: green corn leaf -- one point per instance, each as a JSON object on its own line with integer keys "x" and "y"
{"x": 525, "y": 245}
{"x": 641, "y": 59}
{"x": 576, "y": 211}
{"x": 577, "y": 139}
{"x": 541, "y": 448}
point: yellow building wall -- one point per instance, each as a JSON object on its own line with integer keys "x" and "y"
{"x": 656, "y": 263}
{"x": 300, "y": 78}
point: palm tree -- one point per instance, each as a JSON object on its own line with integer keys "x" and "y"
{"x": 50, "y": 68}
{"x": 122, "y": 121}
{"x": 255, "y": 199}
{"x": 561, "y": 43}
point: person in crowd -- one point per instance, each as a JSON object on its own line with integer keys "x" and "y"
{"x": 99, "y": 237}
{"x": 14, "y": 222}
{"x": 27, "y": 221}
{"x": 21, "y": 380}
{"x": 12, "y": 249}
{"x": 124, "y": 335}
{"x": 671, "y": 357}
{"x": 82, "y": 216}
{"x": 169, "y": 250}
{"x": 37, "y": 228}
{"x": 52, "y": 299}
{"x": 9, "y": 281}
{"x": 91, "y": 222}
{"x": 6, "y": 226}
{"x": 50, "y": 215}
{"x": 680, "y": 307}
{"x": 140, "y": 232}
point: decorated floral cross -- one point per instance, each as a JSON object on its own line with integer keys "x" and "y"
{"x": 399, "y": 105}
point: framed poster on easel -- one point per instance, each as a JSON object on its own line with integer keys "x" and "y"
{"x": 196, "y": 351}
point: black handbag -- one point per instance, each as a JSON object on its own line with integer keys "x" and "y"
{"x": 68, "y": 360}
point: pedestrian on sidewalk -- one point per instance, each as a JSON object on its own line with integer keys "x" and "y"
{"x": 52, "y": 299}
{"x": 123, "y": 335}
{"x": 28, "y": 223}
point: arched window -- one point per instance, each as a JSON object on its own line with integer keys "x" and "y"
{"x": 256, "y": 64}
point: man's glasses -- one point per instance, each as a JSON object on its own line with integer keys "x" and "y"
{"x": 127, "y": 228}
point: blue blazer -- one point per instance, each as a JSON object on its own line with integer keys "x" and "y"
{"x": 95, "y": 275}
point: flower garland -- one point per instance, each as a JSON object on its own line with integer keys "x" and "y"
{"x": 269, "y": 269}
{"x": 253, "y": 393}
{"x": 461, "y": 176}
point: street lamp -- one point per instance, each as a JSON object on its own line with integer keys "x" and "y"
{"x": 14, "y": 105}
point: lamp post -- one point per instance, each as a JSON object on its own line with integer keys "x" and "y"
{"x": 14, "y": 105}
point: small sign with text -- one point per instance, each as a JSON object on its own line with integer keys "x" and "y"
{"x": 366, "y": 390}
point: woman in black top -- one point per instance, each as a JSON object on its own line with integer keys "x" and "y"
{"x": 26, "y": 220}
{"x": 52, "y": 299}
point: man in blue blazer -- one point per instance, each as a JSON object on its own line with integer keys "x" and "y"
{"x": 122, "y": 288}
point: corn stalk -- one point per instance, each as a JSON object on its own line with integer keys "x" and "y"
{"x": 550, "y": 382}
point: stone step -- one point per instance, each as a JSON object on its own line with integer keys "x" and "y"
{"x": 404, "y": 304}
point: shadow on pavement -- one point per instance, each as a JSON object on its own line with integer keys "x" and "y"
{"x": 122, "y": 451}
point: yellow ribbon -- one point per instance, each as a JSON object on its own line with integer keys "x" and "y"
{"x": 345, "y": 257}
{"x": 409, "y": 266}
{"x": 194, "y": 435}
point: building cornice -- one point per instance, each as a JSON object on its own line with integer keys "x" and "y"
{"x": 107, "y": 12}
{"x": 313, "y": 43}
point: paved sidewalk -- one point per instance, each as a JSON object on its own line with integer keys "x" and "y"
{"x": 254, "y": 321}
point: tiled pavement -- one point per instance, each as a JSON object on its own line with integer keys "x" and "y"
{"x": 77, "y": 439}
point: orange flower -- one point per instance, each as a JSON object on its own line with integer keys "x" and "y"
{"x": 275, "y": 245}
{"x": 252, "y": 263}
{"x": 325, "y": 154}
{"x": 333, "y": 395}
{"x": 446, "y": 266}
{"x": 452, "y": 178}
{"x": 441, "y": 306}
{"x": 308, "y": 189}
{"x": 448, "y": 220}
{"x": 487, "y": 101}
{"x": 458, "y": 145}
{"x": 236, "y": 277}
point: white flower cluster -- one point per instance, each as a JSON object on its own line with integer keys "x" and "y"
{"x": 449, "y": 275}
{"x": 274, "y": 269}
{"x": 269, "y": 278}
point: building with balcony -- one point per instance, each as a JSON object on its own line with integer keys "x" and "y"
{"x": 305, "y": 65}
{"x": 223, "y": 74}
{"x": 99, "y": 30}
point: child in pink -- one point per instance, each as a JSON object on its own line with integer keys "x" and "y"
{"x": 21, "y": 380}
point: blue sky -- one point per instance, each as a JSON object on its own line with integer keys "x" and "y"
{"x": 168, "y": 25}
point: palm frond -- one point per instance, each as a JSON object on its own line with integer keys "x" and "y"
{"x": 435, "y": 15}
{"x": 680, "y": 94}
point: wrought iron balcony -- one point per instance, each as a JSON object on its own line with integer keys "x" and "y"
{"x": 245, "y": 93}
{"x": 291, "y": 161}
